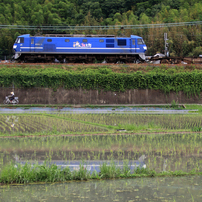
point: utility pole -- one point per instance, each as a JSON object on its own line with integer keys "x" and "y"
{"x": 166, "y": 45}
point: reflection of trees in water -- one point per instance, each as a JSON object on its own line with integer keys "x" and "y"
{"x": 79, "y": 155}
{"x": 182, "y": 151}
{"x": 156, "y": 162}
{"x": 71, "y": 155}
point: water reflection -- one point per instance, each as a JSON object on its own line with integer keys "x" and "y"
{"x": 155, "y": 162}
{"x": 90, "y": 165}
{"x": 125, "y": 190}
{"x": 163, "y": 152}
{"x": 97, "y": 110}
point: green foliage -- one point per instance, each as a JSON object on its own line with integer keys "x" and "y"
{"x": 196, "y": 51}
{"x": 109, "y": 171}
{"x": 174, "y": 104}
{"x": 23, "y": 174}
{"x": 158, "y": 79}
{"x": 197, "y": 129}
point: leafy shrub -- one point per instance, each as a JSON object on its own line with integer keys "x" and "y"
{"x": 196, "y": 52}
{"x": 162, "y": 79}
{"x": 197, "y": 129}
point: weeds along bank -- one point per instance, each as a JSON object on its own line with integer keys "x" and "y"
{"x": 29, "y": 174}
{"x": 102, "y": 84}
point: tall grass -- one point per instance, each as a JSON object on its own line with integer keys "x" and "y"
{"x": 40, "y": 173}
{"x": 23, "y": 174}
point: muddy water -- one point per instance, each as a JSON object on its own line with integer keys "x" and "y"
{"x": 145, "y": 189}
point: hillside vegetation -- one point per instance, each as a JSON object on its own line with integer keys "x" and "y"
{"x": 183, "y": 41}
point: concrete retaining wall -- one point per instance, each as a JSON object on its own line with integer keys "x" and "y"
{"x": 63, "y": 96}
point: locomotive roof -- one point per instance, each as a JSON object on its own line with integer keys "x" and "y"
{"x": 79, "y": 35}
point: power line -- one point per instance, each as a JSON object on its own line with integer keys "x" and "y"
{"x": 106, "y": 27}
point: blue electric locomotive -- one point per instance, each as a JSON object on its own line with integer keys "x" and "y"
{"x": 79, "y": 48}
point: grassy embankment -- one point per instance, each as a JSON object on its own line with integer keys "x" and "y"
{"x": 104, "y": 77}
{"x": 28, "y": 174}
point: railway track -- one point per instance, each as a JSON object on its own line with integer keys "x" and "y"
{"x": 149, "y": 60}
{"x": 174, "y": 60}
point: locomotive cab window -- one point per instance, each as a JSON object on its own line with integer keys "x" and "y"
{"x": 121, "y": 42}
{"x": 49, "y": 40}
{"x": 66, "y": 40}
{"x": 109, "y": 40}
{"x": 140, "y": 41}
{"x": 20, "y": 40}
{"x": 109, "y": 45}
{"x": 32, "y": 41}
{"x": 133, "y": 41}
{"x": 85, "y": 40}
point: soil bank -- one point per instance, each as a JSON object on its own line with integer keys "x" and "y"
{"x": 81, "y": 96}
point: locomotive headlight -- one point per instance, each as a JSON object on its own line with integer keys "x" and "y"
{"x": 14, "y": 46}
{"x": 145, "y": 47}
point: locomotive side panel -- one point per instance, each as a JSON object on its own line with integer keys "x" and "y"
{"x": 75, "y": 49}
{"x": 92, "y": 46}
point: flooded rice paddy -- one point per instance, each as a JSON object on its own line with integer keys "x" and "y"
{"x": 127, "y": 190}
{"x": 159, "y": 152}
{"x": 87, "y": 123}
{"x": 105, "y": 143}
{"x": 31, "y": 124}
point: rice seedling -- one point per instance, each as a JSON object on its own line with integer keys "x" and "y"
{"x": 140, "y": 122}
{"x": 87, "y": 123}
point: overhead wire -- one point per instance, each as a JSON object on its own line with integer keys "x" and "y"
{"x": 105, "y": 27}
